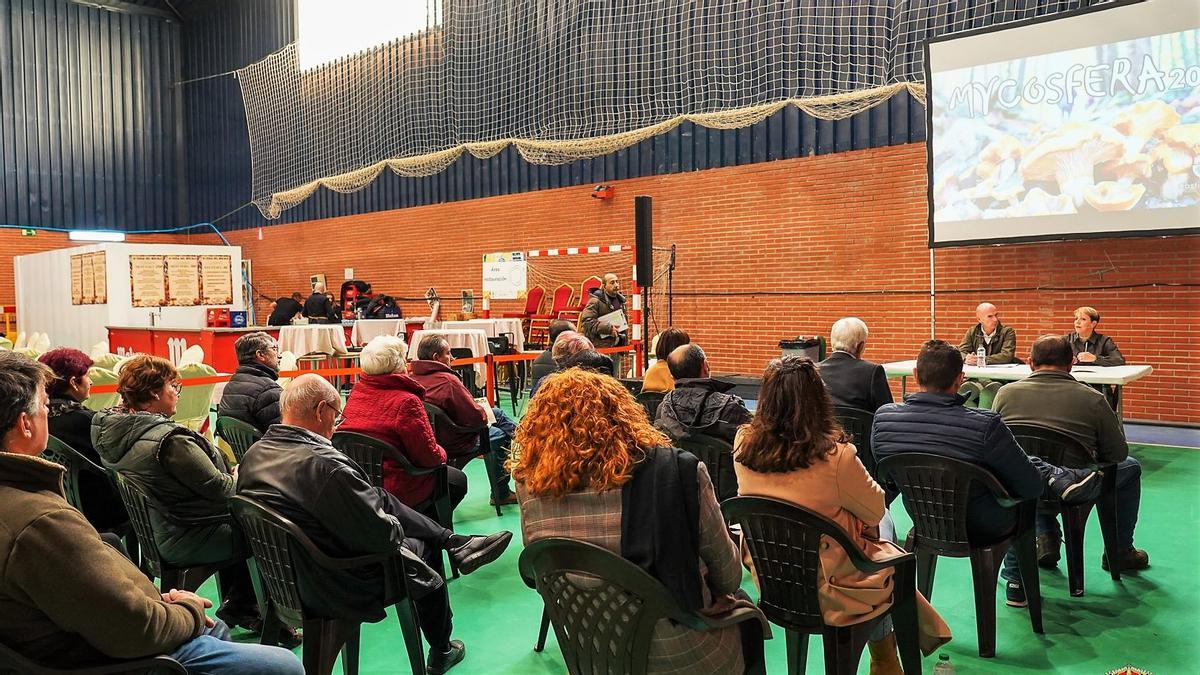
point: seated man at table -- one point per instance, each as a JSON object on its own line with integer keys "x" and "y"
{"x": 850, "y": 379}
{"x": 285, "y": 309}
{"x": 444, "y": 389}
{"x": 296, "y": 471}
{"x": 698, "y": 404}
{"x": 998, "y": 341}
{"x": 543, "y": 365}
{"x": 1051, "y": 398}
{"x": 936, "y": 421}
{"x": 318, "y": 306}
{"x": 252, "y": 394}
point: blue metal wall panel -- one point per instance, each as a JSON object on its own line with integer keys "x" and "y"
{"x": 86, "y": 117}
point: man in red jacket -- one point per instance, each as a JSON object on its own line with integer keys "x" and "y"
{"x": 444, "y": 389}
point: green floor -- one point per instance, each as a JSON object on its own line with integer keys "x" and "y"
{"x": 1149, "y": 621}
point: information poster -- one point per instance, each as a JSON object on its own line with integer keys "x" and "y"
{"x": 147, "y": 286}
{"x": 504, "y": 275}
{"x": 216, "y": 280}
{"x": 77, "y": 279}
{"x": 100, "y": 276}
{"x": 183, "y": 280}
{"x": 89, "y": 280}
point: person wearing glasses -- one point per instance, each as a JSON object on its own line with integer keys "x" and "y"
{"x": 252, "y": 394}
{"x": 184, "y": 473}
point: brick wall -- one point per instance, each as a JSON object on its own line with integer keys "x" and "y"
{"x": 772, "y": 250}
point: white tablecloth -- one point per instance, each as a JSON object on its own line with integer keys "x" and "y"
{"x": 323, "y": 338}
{"x": 493, "y": 328}
{"x": 366, "y": 329}
{"x": 471, "y": 338}
{"x": 1118, "y": 375}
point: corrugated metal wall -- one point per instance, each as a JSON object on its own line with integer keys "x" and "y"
{"x": 87, "y": 117}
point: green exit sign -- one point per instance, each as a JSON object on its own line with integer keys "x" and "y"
{"x": 28, "y": 233}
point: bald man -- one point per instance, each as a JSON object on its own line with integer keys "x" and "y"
{"x": 999, "y": 341}
{"x": 603, "y": 301}
{"x": 318, "y": 306}
{"x": 296, "y": 471}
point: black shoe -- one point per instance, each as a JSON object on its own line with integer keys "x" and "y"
{"x": 1048, "y": 553}
{"x": 1015, "y": 595}
{"x": 439, "y": 661}
{"x": 479, "y": 551}
{"x": 1076, "y": 486}
{"x": 234, "y": 618}
{"x": 1132, "y": 560}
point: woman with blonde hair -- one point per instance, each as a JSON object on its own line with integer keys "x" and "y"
{"x": 591, "y": 467}
{"x": 795, "y": 451}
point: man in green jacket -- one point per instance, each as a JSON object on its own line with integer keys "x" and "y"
{"x": 1051, "y": 398}
{"x": 67, "y": 599}
{"x": 998, "y": 341}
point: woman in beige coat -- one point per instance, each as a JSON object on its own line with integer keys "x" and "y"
{"x": 795, "y": 451}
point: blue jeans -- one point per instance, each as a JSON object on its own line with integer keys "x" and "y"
{"x": 1129, "y": 499}
{"x": 887, "y": 531}
{"x": 501, "y": 434}
{"x": 213, "y": 653}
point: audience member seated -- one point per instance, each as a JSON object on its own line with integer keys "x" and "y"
{"x": 71, "y": 423}
{"x": 67, "y": 599}
{"x": 699, "y": 404}
{"x": 296, "y": 471}
{"x": 543, "y": 365}
{"x": 566, "y": 345}
{"x": 998, "y": 341}
{"x": 590, "y": 360}
{"x": 183, "y": 472}
{"x": 318, "y": 305}
{"x": 592, "y": 468}
{"x": 1089, "y": 347}
{"x": 286, "y": 309}
{"x": 386, "y": 404}
{"x": 935, "y": 421}
{"x": 444, "y": 389}
{"x": 795, "y": 451}
{"x": 658, "y": 375}
{"x": 850, "y": 379}
{"x": 252, "y": 394}
{"x": 1050, "y": 397}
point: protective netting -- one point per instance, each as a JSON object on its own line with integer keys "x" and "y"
{"x": 564, "y": 80}
{"x": 550, "y": 272}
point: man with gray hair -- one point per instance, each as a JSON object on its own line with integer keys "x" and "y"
{"x": 296, "y": 471}
{"x": 852, "y": 380}
{"x": 252, "y": 394}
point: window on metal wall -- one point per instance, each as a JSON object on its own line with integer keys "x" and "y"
{"x": 328, "y": 30}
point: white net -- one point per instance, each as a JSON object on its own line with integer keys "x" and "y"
{"x": 564, "y": 80}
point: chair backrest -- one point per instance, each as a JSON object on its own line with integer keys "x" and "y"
{"x": 603, "y": 607}
{"x": 99, "y": 376}
{"x": 13, "y": 662}
{"x": 937, "y": 492}
{"x": 633, "y": 384}
{"x": 857, "y": 424}
{"x": 367, "y": 453}
{"x": 586, "y": 287}
{"x": 650, "y": 400}
{"x": 717, "y": 456}
{"x": 274, "y": 544}
{"x": 533, "y": 300}
{"x": 239, "y": 435}
{"x": 137, "y": 504}
{"x": 74, "y": 463}
{"x": 195, "y": 401}
{"x": 1052, "y": 445}
{"x": 784, "y": 541}
{"x": 501, "y": 344}
{"x": 561, "y": 299}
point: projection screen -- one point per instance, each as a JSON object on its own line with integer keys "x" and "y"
{"x": 1082, "y": 126}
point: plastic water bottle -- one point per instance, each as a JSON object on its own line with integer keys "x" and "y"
{"x": 943, "y": 666}
{"x": 981, "y": 357}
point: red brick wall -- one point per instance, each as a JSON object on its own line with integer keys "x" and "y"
{"x": 772, "y": 250}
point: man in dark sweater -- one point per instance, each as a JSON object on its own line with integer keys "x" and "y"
{"x": 285, "y": 310}
{"x": 67, "y": 599}
{"x": 252, "y": 394}
{"x": 935, "y": 421}
{"x": 318, "y": 306}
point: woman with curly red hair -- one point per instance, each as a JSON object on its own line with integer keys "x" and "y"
{"x": 589, "y": 466}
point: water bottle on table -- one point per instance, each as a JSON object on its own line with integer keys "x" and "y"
{"x": 943, "y": 666}
{"x": 981, "y": 357}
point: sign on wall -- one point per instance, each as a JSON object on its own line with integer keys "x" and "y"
{"x": 216, "y": 280}
{"x": 183, "y": 280}
{"x": 504, "y": 275}
{"x": 88, "y": 283}
{"x": 147, "y": 281}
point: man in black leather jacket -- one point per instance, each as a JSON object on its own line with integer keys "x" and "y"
{"x": 296, "y": 471}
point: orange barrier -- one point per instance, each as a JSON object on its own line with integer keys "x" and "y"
{"x": 487, "y": 359}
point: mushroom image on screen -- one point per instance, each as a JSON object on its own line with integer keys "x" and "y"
{"x": 1178, "y": 153}
{"x": 1069, "y": 156}
{"x": 1113, "y": 196}
{"x": 1128, "y": 170}
{"x": 1142, "y": 121}
{"x": 1038, "y": 202}
{"x": 999, "y": 159}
